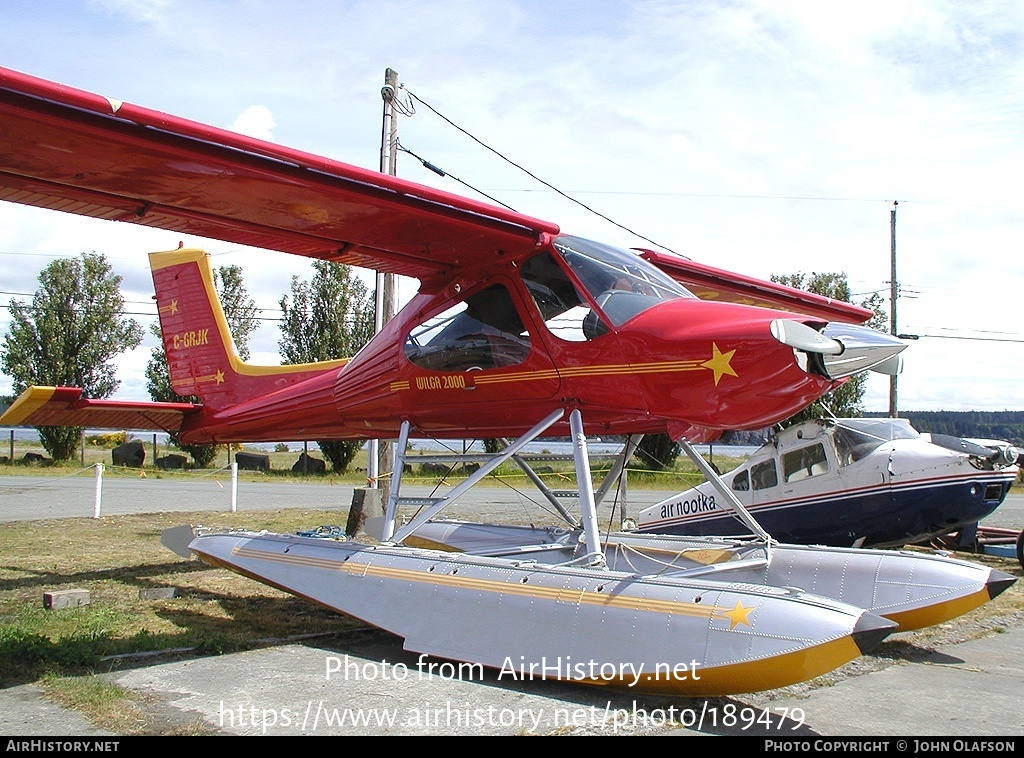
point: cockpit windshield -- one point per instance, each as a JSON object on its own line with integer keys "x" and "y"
{"x": 622, "y": 283}
{"x": 856, "y": 437}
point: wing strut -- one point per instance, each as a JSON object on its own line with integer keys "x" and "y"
{"x": 588, "y": 509}
{"x": 613, "y": 477}
{"x": 727, "y": 495}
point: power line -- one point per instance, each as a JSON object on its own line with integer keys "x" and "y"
{"x": 441, "y": 172}
{"x": 965, "y": 337}
{"x": 534, "y": 176}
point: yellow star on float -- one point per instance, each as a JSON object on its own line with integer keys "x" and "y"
{"x": 738, "y": 615}
{"x": 719, "y": 363}
{"x": 219, "y": 377}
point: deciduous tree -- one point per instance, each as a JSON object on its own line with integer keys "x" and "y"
{"x": 68, "y": 336}
{"x": 329, "y": 317}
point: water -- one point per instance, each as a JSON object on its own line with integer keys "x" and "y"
{"x": 552, "y": 446}
{"x": 562, "y": 447}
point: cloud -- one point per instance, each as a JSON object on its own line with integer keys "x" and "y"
{"x": 256, "y": 121}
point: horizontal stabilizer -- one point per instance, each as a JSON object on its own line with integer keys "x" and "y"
{"x": 65, "y": 406}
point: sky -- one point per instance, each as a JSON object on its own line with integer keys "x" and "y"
{"x": 766, "y": 137}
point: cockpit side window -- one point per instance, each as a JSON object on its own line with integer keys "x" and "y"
{"x": 853, "y": 444}
{"x": 764, "y": 475}
{"x": 481, "y": 332}
{"x": 621, "y": 283}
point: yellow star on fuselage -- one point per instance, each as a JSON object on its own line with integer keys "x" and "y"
{"x": 737, "y": 615}
{"x": 719, "y": 363}
{"x": 219, "y": 377}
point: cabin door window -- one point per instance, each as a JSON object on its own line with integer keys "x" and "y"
{"x": 566, "y": 313}
{"x": 803, "y": 463}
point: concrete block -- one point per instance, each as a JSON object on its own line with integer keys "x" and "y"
{"x": 58, "y": 599}
{"x": 158, "y": 593}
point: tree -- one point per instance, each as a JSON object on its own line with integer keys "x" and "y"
{"x": 845, "y": 400}
{"x": 68, "y": 336}
{"x": 239, "y": 309}
{"x": 240, "y": 312}
{"x": 657, "y": 452}
{"x": 327, "y": 318}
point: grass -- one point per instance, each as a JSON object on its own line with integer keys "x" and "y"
{"x": 67, "y": 651}
{"x": 113, "y": 558}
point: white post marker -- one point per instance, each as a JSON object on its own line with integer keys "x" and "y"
{"x": 234, "y": 486}
{"x": 98, "y": 470}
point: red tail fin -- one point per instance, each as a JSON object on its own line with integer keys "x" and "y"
{"x": 201, "y": 355}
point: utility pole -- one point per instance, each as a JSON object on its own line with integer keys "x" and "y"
{"x": 893, "y": 295}
{"x": 379, "y": 458}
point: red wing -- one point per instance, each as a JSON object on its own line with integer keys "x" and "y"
{"x": 65, "y": 406}
{"x": 710, "y": 283}
{"x": 73, "y": 151}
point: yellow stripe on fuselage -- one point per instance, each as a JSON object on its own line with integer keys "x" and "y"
{"x": 607, "y": 369}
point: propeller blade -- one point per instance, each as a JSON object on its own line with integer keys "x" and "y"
{"x": 891, "y": 366}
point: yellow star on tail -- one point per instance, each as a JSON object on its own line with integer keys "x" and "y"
{"x": 719, "y": 363}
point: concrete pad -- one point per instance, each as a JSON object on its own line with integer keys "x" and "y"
{"x": 376, "y": 688}
{"x": 972, "y": 688}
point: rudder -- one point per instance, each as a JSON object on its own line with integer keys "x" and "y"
{"x": 201, "y": 355}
